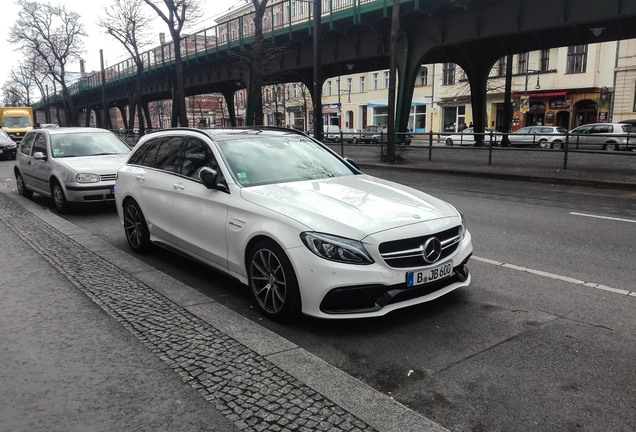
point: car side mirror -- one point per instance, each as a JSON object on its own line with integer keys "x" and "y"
{"x": 352, "y": 163}
{"x": 39, "y": 156}
{"x": 212, "y": 180}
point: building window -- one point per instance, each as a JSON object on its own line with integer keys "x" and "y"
{"x": 386, "y": 79}
{"x": 328, "y": 87}
{"x": 376, "y": 77}
{"x": 577, "y": 59}
{"x": 380, "y": 116}
{"x": 522, "y": 63}
{"x": 545, "y": 60}
{"x": 448, "y": 74}
{"x": 634, "y": 108}
{"x": 349, "y": 85}
{"x": 501, "y": 67}
{"x": 417, "y": 119}
{"x": 423, "y": 76}
{"x": 454, "y": 118}
{"x": 362, "y": 84}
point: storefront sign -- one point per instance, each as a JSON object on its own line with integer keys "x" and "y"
{"x": 602, "y": 117}
{"x": 559, "y": 103}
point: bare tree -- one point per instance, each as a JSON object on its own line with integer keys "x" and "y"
{"x": 22, "y": 79}
{"x": 11, "y": 94}
{"x": 175, "y": 13}
{"x": 54, "y": 33}
{"x": 126, "y": 21}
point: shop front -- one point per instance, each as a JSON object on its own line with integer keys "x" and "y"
{"x": 550, "y": 109}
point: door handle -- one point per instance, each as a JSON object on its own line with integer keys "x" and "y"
{"x": 140, "y": 178}
{"x": 178, "y": 186}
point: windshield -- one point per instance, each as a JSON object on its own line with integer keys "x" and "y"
{"x": 86, "y": 144}
{"x": 256, "y": 159}
{"x": 16, "y": 121}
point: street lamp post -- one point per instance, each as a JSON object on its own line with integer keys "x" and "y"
{"x": 340, "y": 112}
{"x": 525, "y": 105}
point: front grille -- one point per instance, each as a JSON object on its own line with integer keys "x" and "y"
{"x": 108, "y": 177}
{"x": 408, "y": 252}
{"x": 107, "y": 197}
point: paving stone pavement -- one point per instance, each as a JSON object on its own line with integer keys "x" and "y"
{"x": 284, "y": 390}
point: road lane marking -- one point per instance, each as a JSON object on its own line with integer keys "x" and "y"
{"x": 603, "y": 217}
{"x": 555, "y": 276}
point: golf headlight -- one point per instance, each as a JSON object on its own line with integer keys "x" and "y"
{"x": 334, "y": 248}
{"x": 87, "y": 178}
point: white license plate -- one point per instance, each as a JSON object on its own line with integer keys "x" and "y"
{"x": 429, "y": 275}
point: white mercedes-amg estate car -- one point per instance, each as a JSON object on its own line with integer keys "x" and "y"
{"x": 301, "y": 226}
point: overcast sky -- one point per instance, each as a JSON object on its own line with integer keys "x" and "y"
{"x": 90, "y": 11}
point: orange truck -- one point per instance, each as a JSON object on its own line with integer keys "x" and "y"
{"x": 16, "y": 121}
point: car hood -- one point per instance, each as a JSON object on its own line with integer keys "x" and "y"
{"x": 106, "y": 164}
{"x": 353, "y": 206}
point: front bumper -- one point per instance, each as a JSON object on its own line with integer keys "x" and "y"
{"x": 338, "y": 291}
{"x": 8, "y": 153}
{"x": 97, "y": 192}
{"x": 372, "y": 298}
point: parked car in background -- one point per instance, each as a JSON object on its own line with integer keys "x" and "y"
{"x": 49, "y": 126}
{"x": 70, "y": 165}
{"x": 353, "y": 136}
{"x": 376, "y": 134}
{"x": 606, "y": 136}
{"x": 331, "y": 133}
{"x": 7, "y": 146}
{"x": 542, "y": 136}
{"x": 467, "y": 137}
{"x": 280, "y": 211}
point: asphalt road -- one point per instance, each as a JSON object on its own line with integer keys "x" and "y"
{"x": 527, "y": 347}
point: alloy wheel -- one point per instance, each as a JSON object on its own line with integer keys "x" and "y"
{"x": 268, "y": 281}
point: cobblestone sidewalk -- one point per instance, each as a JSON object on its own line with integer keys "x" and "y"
{"x": 248, "y": 389}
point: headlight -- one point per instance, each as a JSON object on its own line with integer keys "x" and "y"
{"x": 335, "y": 248}
{"x": 87, "y": 178}
{"x": 463, "y": 227}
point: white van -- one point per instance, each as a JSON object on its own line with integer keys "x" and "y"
{"x": 331, "y": 133}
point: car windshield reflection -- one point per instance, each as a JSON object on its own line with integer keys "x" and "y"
{"x": 264, "y": 159}
{"x": 75, "y": 145}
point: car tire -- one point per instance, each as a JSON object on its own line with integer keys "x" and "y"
{"x": 374, "y": 140}
{"x": 544, "y": 144}
{"x": 449, "y": 142}
{"x": 22, "y": 189}
{"x": 59, "y": 199}
{"x": 354, "y": 140}
{"x": 272, "y": 280}
{"x": 557, "y": 145}
{"x": 611, "y": 147}
{"x": 135, "y": 227}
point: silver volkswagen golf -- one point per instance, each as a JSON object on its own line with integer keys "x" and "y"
{"x": 70, "y": 165}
